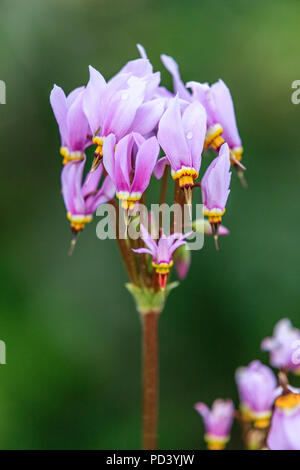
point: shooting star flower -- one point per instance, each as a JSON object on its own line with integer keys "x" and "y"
{"x": 285, "y": 425}
{"x": 72, "y": 123}
{"x": 181, "y": 135}
{"x": 257, "y": 385}
{"x": 161, "y": 252}
{"x": 130, "y": 163}
{"x": 215, "y": 189}
{"x": 217, "y": 422}
{"x": 81, "y": 200}
{"x": 221, "y": 120}
{"x": 284, "y": 346}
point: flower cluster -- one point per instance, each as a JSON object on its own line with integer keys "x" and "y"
{"x": 269, "y": 409}
{"x": 127, "y": 121}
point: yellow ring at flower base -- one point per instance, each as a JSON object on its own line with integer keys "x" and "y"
{"x": 289, "y": 402}
{"x": 215, "y": 442}
{"x": 185, "y": 176}
{"x": 70, "y": 156}
{"x": 214, "y": 215}
{"x": 128, "y": 200}
{"x": 163, "y": 268}
{"x": 99, "y": 141}
{"x": 213, "y": 137}
{"x": 78, "y": 221}
{"x": 260, "y": 420}
{"x": 237, "y": 153}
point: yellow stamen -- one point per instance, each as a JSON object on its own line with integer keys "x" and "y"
{"x": 185, "y": 176}
{"x": 236, "y": 153}
{"x": 78, "y": 221}
{"x": 99, "y": 141}
{"x": 214, "y": 217}
{"x": 70, "y": 156}
{"x": 128, "y": 202}
{"x": 162, "y": 268}
{"x": 213, "y": 137}
{"x": 291, "y": 400}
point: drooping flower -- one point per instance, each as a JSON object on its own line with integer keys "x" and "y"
{"x": 257, "y": 387}
{"x": 82, "y": 199}
{"x": 221, "y": 120}
{"x": 130, "y": 163}
{"x": 111, "y": 107}
{"x": 182, "y": 259}
{"x": 284, "y": 433}
{"x": 161, "y": 252}
{"x": 284, "y": 346}
{"x": 72, "y": 122}
{"x": 126, "y": 103}
{"x": 203, "y": 226}
{"x": 181, "y": 135}
{"x": 217, "y": 422}
{"x": 215, "y": 188}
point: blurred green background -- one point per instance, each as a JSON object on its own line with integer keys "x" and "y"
{"x": 72, "y": 378}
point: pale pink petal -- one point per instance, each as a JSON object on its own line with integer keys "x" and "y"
{"x": 172, "y": 67}
{"x": 144, "y": 164}
{"x": 109, "y": 155}
{"x": 59, "y": 105}
{"x": 194, "y": 127}
{"x": 148, "y": 116}
{"x": 92, "y": 99}
{"x": 171, "y": 136}
{"x": 160, "y": 167}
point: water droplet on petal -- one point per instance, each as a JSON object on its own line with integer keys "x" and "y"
{"x": 189, "y": 135}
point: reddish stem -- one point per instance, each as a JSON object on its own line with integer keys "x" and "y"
{"x": 150, "y": 380}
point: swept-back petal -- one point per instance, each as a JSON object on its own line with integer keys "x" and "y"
{"x": 171, "y": 136}
{"x": 58, "y": 102}
{"x": 178, "y": 84}
{"x": 92, "y": 99}
{"x": 194, "y": 127}
{"x": 145, "y": 161}
{"x": 77, "y": 125}
{"x": 109, "y": 155}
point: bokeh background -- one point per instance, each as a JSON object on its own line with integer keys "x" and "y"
{"x": 72, "y": 378}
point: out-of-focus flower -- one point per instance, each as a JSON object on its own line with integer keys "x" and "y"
{"x": 217, "y": 422}
{"x": 257, "y": 385}
{"x": 81, "y": 200}
{"x": 161, "y": 252}
{"x": 203, "y": 226}
{"x": 285, "y": 425}
{"x": 182, "y": 137}
{"x": 130, "y": 163}
{"x": 221, "y": 121}
{"x": 284, "y": 346}
{"x": 182, "y": 259}
{"x": 72, "y": 123}
{"x": 215, "y": 188}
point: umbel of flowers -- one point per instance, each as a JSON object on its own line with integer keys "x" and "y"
{"x": 136, "y": 128}
{"x": 269, "y": 412}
